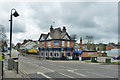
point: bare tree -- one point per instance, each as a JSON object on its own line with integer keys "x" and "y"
{"x": 73, "y": 37}
{"x": 90, "y": 43}
{"x": 3, "y": 38}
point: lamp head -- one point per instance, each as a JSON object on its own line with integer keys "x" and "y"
{"x": 15, "y": 14}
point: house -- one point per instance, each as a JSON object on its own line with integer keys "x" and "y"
{"x": 109, "y": 47}
{"x": 113, "y": 52}
{"x": 57, "y": 44}
{"x": 29, "y": 45}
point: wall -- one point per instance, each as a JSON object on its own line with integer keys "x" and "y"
{"x": 60, "y": 44}
{"x": 89, "y": 54}
{"x": 109, "y": 47}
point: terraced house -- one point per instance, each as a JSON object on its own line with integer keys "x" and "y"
{"x": 57, "y": 44}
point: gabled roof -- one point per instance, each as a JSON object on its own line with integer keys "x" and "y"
{"x": 43, "y": 35}
{"x": 57, "y": 33}
{"x": 67, "y": 35}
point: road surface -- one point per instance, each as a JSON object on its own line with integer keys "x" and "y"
{"x": 35, "y": 68}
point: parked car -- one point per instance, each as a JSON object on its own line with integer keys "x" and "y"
{"x": 116, "y": 58}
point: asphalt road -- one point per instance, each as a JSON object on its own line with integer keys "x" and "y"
{"x": 35, "y": 68}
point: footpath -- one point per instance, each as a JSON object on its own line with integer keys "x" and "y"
{"x": 12, "y": 74}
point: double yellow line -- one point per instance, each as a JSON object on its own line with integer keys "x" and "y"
{"x": 25, "y": 73}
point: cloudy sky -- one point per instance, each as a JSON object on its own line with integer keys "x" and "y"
{"x": 98, "y": 19}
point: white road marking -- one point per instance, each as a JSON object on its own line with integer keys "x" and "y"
{"x": 47, "y": 69}
{"x": 64, "y": 66}
{"x": 43, "y": 75}
{"x": 72, "y": 71}
{"x": 99, "y": 74}
{"x": 66, "y": 75}
{"x": 60, "y": 66}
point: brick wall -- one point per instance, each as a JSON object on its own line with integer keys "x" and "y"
{"x": 109, "y": 47}
{"x": 60, "y": 43}
{"x": 89, "y": 54}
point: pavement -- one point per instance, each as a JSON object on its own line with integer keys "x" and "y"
{"x": 11, "y": 74}
{"x": 102, "y": 59}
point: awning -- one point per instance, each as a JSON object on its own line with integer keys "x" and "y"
{"x": 78, "y": 52}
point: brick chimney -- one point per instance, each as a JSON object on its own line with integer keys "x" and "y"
{"x": 80, "y": 43}
{"x": 51, "y": 28}
{"x": 64, "y": 29}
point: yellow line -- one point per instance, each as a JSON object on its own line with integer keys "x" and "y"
{"x": 24, "y": 72}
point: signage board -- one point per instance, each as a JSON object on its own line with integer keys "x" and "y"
{"x": 56, "y": 43}
{"x": 1, "y": 57}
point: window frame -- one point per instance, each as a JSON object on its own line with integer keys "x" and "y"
{"x": 63, "y": 43}
{"x": 42, "y": 44}
{"x": 49, "y": 43}
{"x": 68, "y": 43}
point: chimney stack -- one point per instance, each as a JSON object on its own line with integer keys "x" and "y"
{"x": 51, "y": 28}
{"x": 64, "y": 29}
{"x": 80, "y": 43}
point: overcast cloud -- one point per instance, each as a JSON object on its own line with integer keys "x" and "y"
{"x": 99, "y": 19}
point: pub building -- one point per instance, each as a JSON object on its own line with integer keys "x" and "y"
{"x": 57, "y": 44}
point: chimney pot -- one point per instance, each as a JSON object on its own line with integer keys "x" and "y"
{"x": 80, "y": 43}
{"x": 51, "y": 28}
{"x": 64, "y": 29}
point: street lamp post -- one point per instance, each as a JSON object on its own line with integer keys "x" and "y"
{"x": 10, "y": 60}
{"x": 15, "y": 14}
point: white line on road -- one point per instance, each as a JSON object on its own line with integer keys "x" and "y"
{"x": 66, "y": 75}
{"x": 60, "y": 66}
{"x": 47, "y": 69}
{"x": 72, "y": 71}
{"x": 43, "y": 75}
{"x": 63, "y": 66}
{"x": 99, "y": 74}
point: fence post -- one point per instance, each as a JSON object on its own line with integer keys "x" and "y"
{"x": 2, "y": 70}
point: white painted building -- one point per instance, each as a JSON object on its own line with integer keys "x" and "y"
{"x": 113, "y": 52}
{"x": 29, "y": 45}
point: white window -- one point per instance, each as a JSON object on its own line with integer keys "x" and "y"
{"x": 68, "y": 44}
{"x": 42, "y": 44}
{"x": 49, "y": 43}
{"x": 63, "y": 43}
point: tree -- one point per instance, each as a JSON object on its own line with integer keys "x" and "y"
{"x": 3, "y": 38}
{"x": 90, "y": 43}
{"x": 73, "y": 36}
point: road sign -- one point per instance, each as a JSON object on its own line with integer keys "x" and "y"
{"x": 1, "y": 57}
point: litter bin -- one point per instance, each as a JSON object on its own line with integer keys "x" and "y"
{"x": 108, "y": 60}
{"x": 93, "y": 59}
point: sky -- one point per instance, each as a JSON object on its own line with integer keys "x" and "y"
{"x": 97, "y": 19}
